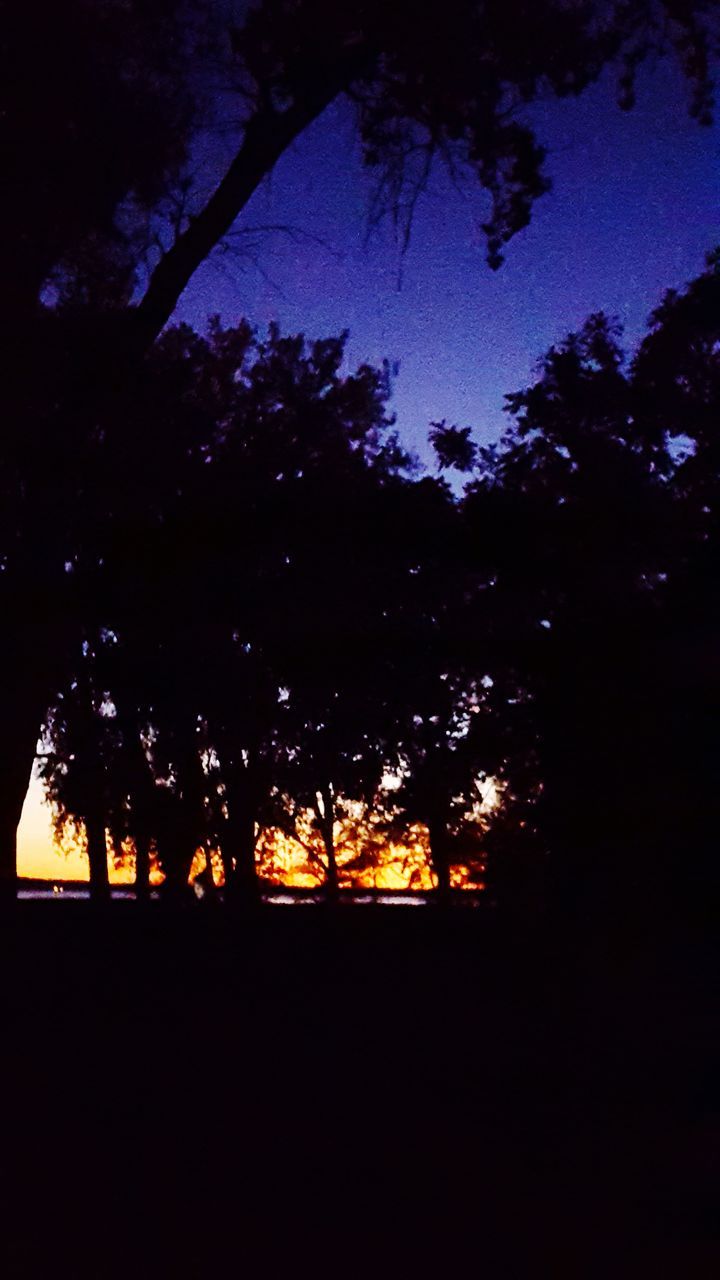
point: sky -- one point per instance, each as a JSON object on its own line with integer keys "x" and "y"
{"x": 634, "y": 208}
{"x": 37, "y": 853}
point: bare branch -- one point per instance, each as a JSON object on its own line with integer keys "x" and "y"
{"x": 297, "y": 234}
{"x": 267, "y": 136}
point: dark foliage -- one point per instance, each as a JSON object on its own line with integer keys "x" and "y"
{"x": 604, "y": 606}
{"x": 281, "y": 614}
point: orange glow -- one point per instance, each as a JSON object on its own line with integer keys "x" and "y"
{"x": 41, "y": 856}
{"x": 366, "y": 858}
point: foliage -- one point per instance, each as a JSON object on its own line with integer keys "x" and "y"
{"x": 602, "y": 581}
{"x": 453, "y": 446}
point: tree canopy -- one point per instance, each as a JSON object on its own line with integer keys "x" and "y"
{"x": 301, "y": 631}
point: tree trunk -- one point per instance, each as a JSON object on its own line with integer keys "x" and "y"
{"x": 8, "y": 850}
{"x": 327, "y": 828}
{"x": 209, "y": 871}
{"x": 98, "y": 857}
{"x": 332, "y": 888}
{"x": 267, "y": 135}
{"x": 177, "y": 858}
{"x": 227, "y": 863}
{"x": 440, "y": 857}
{"x": 183, "y": 825}
{"x": 142, "y": 868}
{"x": 241, "y": 839}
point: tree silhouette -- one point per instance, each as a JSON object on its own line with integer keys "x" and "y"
{"x": 95, "y": 119}
{"x": 78, "y": 229}
{"x": 242, "y": 582}
{"x": 436, "y": 751}
{"x": 453, "y": 446}
{"x": 285, "y": 613}
{"x": 337, "y": 670}
{"x": 78, "y": 780}
{"x": 677, "y": 374}
{"x": 600, "y": 573}
{"x": 300, "y": 623}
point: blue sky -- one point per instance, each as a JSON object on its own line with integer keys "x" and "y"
{"x": 634, "y": 207}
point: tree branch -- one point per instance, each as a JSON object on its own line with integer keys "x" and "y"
{"x": 267, "y": 136}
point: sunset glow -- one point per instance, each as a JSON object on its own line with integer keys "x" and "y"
{"x": 365, "y": 859}
{"x": 42, "y": 857}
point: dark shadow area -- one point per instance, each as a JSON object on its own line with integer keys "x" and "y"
{"x": 188, "y": 1098}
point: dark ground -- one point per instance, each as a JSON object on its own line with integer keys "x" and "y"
{"x": 389, "y": 1091}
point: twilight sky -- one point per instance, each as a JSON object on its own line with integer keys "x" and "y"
{"x": 635, "y": 205}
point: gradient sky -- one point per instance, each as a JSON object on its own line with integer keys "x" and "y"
{"x": 37, "y": 852}
{"x": 634, "y": 207}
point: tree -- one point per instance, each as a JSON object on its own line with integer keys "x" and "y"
{"x": 79, "y": 84}
{"x": 677, "y": 375}
{"x": 97, "y": 104}
{"x": 225, "y": 583}
{"x": 603, "y": 568}
{"x": 338, "y": 668}
{"x": 437, "y": 751}
{"x": 97, "y": 766}
{"x": 78, "y": 781}
{"x": 426, "y": 87}
{"x": 453, "y": 446}
{"x": 307, "y": 468}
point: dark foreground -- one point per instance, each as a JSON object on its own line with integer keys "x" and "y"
{"x": 378, "y": 1091}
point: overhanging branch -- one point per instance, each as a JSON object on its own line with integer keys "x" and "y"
{"x": 267, "y": 136}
